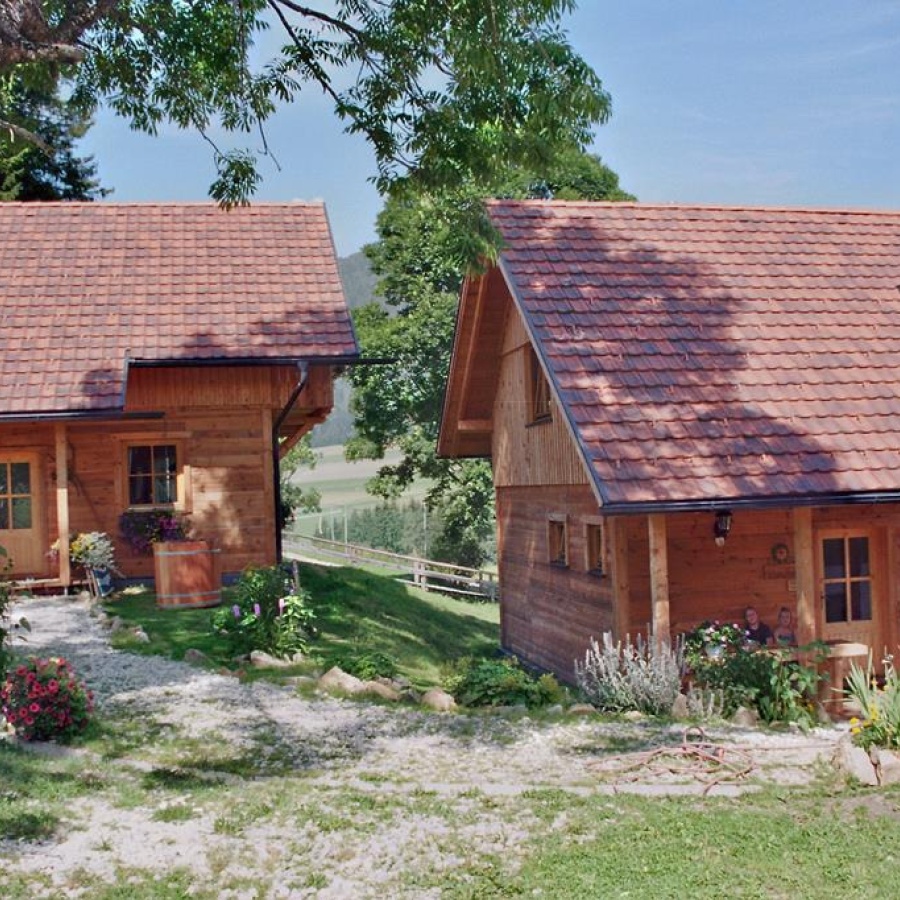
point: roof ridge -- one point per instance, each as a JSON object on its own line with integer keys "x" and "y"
{"x": 705, "y": 207}
{"x": 197, "y": 204}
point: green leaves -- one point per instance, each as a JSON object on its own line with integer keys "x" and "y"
{"x": 447, "y": 94}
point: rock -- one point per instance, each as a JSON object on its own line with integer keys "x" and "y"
{"x": 438, "y": 700}
{"x": 141, "y": 636}
{"x": 302, "y": 681}
{"x": 385, "y": 691}
{"x": 822, "y": 716}
{"x": 633, "y": 715}
{"x": 854, "y": 762}
{"x": 410, "y": 695}
{"x": 581, "y": 709}
{"x": 195, "y": 657}
{"x": 115, "y": 624}
{"x": 745, "y": 718}
{"x": 259, "y": 659}
{"x": 680, "y": 711}
{"x": 555, "y": 710}
{"x": 336, "y": 679}
{"x": 887, "y": 767}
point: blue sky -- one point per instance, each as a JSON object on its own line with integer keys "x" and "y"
{"x": 767, "y": 103}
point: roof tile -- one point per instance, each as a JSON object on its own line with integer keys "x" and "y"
{"x": 706, "y": 352}
{"x": 84, "y": 286}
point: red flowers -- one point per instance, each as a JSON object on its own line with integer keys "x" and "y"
{"x": 43, "y": 699}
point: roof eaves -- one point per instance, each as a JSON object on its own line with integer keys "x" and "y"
{"x": 776, "y": 501}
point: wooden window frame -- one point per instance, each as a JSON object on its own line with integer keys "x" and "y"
{"x": 10, "y": 496}
{"x": 595, "y": 549}
{"x": 539, "y": 400}
{"x": 180, "y": 503}
{"x": 847, "y": 579}
{"x": 557, "y": 541}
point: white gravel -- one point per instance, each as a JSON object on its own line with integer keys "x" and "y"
{"x": 395, "y": 754}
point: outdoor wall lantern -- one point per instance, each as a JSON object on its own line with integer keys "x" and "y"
{"x": 722, "y": 526}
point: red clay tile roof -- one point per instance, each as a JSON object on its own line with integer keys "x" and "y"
{"x": 84, "y": 286}
{"x": 707, "y": 353}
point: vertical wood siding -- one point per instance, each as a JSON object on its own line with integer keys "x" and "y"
{"x": 525, "y": 454}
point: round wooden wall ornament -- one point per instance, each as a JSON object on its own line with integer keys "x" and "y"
{"x": 780, "y": 553}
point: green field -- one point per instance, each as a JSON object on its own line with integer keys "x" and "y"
{"x": 342, "y": 486}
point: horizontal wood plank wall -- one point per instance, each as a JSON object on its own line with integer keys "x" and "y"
{"x": 549, "y": 613}
{"x": 524, "y": 454}
{"x": 708, "y": 582}
{"x": 229, "y": 502}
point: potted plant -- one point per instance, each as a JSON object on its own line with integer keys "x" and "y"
{"x": 185, "y": 570}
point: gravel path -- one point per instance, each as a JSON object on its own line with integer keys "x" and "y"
{"x": 444, "y": 784}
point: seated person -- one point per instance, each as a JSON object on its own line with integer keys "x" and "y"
{"x": 757, "y": 631}
{"x": 784, "y": 631}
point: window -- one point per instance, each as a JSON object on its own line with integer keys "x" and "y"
{"x": 15, "y": 495}
{"x": 556, "y": 542}
{"x": 538, "y": 390}
{"x": 847, "y": 582}
{"x": 152, "y": 475}
{"x": 595, "y": 547}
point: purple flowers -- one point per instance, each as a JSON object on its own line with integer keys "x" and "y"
{"x": 236, "y": 610}
{"x": 256, "y": 610}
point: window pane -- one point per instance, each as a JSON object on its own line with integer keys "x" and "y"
{"x": 21, "y": 478}
{"x": 833, "y": 556}
{"x": 139, "y": 461}
{"x": 4, "y": 513}
{"x": 859, "y": 557}
{"x": 21, "y": 512}
{"x": 164, "y": 460}
{"x": 4, "y": 478}
{"x": 164, "y": 489}
{"x": 861, "y": 600}
{"x": 140, "y": 490}
{"x": 835, "y": 602}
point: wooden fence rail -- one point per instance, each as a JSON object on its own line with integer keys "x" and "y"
{"x": 425, "y": 573}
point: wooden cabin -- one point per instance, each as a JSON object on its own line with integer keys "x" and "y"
{"x": 159, "y": 356}
{"x": 688, "y": 410}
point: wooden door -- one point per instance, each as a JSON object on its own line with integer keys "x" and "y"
{"x": 22, "y": 531}
{"x": 850, "y": 587}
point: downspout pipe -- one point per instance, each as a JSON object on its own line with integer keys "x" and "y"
{"x": 303, "y": 368}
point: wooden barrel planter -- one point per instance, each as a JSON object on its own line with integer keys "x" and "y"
{"x": 187, "y": 575}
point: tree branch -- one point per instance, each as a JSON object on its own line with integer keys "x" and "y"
{"x": 318, "y": 15}
{"x": 25, "y": 135}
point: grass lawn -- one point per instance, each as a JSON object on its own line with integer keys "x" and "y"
{"x": 355, "y": 609}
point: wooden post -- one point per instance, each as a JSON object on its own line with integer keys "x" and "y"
{"x": 805, "y": 574}
{"x": 618, "y": 554}
{"x": 62, "y": 504}
{"x": 659, "y": 575}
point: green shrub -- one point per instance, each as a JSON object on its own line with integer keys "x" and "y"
{"x": 43, "y": 700}
{"x": 269, "y": 613}
{"x": 768, "y": 680}
{"x": 644, "y": 676}
{"x": 365, "y": 664}
{"x": 879, "y": 706}
{"x": 500, "y": 682}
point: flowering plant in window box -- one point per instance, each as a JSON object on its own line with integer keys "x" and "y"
{"x": 143, "y": 528}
